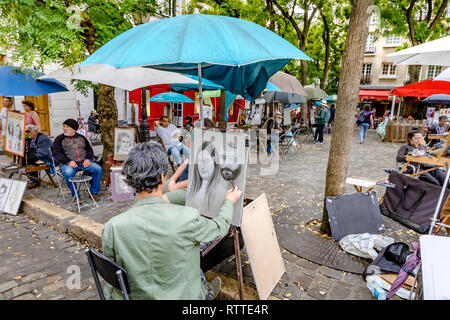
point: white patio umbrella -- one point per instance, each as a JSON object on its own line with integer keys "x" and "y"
{"x": 444, "y": 75}
{"x": 436, "y": 52}
{"x": 129, "y": 78}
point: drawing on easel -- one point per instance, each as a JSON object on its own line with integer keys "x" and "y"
{"x": 219, "y": 161}
{"x": 123, "y": 142}
{"x": 15, "y": 133}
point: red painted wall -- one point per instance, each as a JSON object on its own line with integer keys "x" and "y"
{"x": 157, "y": 108}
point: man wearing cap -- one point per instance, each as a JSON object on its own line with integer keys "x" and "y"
{"x": 74, "y": 153}
{"x": 321, "y": 120}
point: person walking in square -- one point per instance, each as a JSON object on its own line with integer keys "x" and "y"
{"x": 321, "y": 121}
{"x": 366, "y": 120}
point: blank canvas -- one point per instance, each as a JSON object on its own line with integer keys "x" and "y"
{"x": 262, "y": 246}
{"x": 435, "y": 255}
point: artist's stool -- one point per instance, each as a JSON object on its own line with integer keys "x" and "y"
{"x": 78, "y": 181}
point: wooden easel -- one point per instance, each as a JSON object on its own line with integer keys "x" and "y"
{"x": 27, "y": 169}
{"x": 439, "y": 161}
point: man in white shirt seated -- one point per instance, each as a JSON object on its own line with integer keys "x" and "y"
{"x": 170, "y": 136}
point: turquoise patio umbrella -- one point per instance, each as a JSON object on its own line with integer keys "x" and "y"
{"x": 237, "y": 54}
{"x": 171, "y": 97}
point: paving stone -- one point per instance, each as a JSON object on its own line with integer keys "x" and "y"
{"x": 303, "y": 280}
{"x": 362, "y": 293}
{"x": 354, "y": 279}
{"x": 332, "y": 273}
{"x": 75, "y": 249}
{"x": 33, "y": 277}
{"x": 307, "y": 264}
{"x": 340, "y": 293}
{"x": 294, "y": 293}
{"x": 323, "y": 282}
{"x": 317, "y": 293}
{"x": 49, "y": 288}
{"x": 27, "y": 296}
{"x": 7, "y": 285}
{"x": 64, "y": 245}
{"x": 17, "y": 291}
{"x": 289, "y": 256}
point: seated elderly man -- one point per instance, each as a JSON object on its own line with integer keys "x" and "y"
{"x": 169, "y": 135}
{"x": 158, "y": 242}
{"x": 37, "y": 147}
{"x": 74, "y": 153}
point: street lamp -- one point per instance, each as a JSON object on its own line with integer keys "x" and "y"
{"x": 144, "y": 127}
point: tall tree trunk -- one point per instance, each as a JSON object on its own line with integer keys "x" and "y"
{"x": 222, "y": 110}
{"x": 326, "y": 40}
{"x": 107, "y": 111}
{"x": 271, "y": 11}
{"x": 341, "y": 139}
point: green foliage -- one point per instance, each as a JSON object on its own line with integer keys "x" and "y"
{"x": 394, "y": 20}
{"x": 46, "y": 31}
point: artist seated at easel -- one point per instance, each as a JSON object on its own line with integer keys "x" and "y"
{"x": 415, "y": 144}
{"x": 37, "y": 147}
{"x": 157, "y": 242}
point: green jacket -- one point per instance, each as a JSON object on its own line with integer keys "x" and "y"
{"x": 322, "y": 116}
{"x": 158, "y": 244}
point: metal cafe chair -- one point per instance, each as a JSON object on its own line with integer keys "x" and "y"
{"x": 111, "y": 272}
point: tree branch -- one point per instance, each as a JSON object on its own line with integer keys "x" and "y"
{"x": 438, "y": 15}
{"x": 430, "y": 10}
{"x": 412, "y": 31}
{"x": 290, "y": 18}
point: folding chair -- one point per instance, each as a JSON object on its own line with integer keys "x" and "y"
{"x": 283, "y": 145}
{"x": 111, "y": 272}
{"x": 297, "y": 139}
{"x": 59, "y": 177}
{"x": 168, "y": 156}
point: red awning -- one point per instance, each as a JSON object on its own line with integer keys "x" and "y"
{"x": 423, "y": 89}
{"x": 374, "y": 94}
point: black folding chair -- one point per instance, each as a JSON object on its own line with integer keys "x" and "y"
{"x": 111, "y": 272}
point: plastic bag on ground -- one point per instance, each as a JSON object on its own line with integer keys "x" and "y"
{"x": 364, "y": 244}
{"x": 381, "y": 129}
{"x": 402, "y": 292}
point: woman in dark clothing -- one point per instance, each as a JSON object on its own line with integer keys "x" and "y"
{"x": 415, "y": 138}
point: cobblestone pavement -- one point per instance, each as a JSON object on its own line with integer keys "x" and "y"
{"x": 34, "y": 262}
{"x": 300, "y": 181}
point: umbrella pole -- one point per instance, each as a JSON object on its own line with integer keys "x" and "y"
{"x": 200, "y": 92}
{"x": 392, "y": 107}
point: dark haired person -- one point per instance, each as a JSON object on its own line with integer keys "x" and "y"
{"x": 367, "y": 122}
{"x": 439, "y": 128}
{"x": 74, "y": 153}
{"x": 93, "y": 124}
{"x": 169, "y": 135}
{"x": 332, "y": 110}
{"x": 31, "y": 116}
{"x": 414, "y": 142}
{"x": 158, "y": 242}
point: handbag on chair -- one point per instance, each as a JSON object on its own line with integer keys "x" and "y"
{"x": 412, "y": 202}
